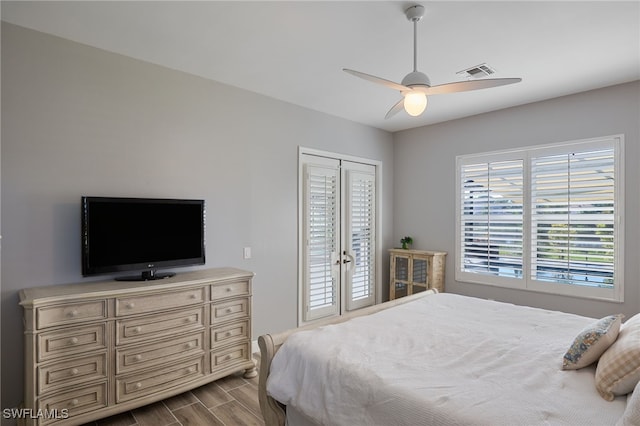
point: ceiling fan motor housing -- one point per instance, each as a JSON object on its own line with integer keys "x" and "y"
{"x": 416, "y": 78}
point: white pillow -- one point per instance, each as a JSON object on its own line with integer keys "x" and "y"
{"x": 631, "y": 416}
{"x": 618, "y": 370}
{"x": 592, "y": 342}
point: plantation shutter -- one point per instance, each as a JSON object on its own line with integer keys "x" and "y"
{"x": 491, "y": 218}
{"x": 572, "y": 218}
{"x": 321, "y": 238}
{"x": 360, "y": 226}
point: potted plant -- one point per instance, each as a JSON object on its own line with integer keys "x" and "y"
{"x": 406, "y": 242}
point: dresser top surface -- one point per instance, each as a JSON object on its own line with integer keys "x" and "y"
{"x": 93, "y": 289}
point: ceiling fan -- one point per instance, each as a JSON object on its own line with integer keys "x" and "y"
{"x": 415, "y": 86}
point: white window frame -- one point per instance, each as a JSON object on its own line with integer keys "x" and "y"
{"x": 525, "y": 282}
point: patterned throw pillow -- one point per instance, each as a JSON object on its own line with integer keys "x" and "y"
{"x": 592, "y": 342}
{"x": 618, "y": 370}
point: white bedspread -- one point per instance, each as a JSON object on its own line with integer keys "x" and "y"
{"x": 441, "y": 360}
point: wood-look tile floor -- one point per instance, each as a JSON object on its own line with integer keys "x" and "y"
{"x": 231, "y": 401}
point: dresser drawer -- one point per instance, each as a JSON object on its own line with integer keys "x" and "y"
{"x": 70, "y": 313}
{"x": 159, "y": 301}
{"x": 232, "y": 309}
{"x": 76, "y": 401}
{"x": 238, "y": 288}
{"x": 150, "y": 355}
{"x": 71, "y": 341}
{"x": 139, "y": 385}
{"x": 228, "y": 357}
{"x": 237, "y": 331}
{"x": 72, "y": 372}
{"x": 175, "y": 323}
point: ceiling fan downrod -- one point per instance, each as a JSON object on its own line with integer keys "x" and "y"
{"x": 415, "y": 14}
{"x": 415, "y": 78}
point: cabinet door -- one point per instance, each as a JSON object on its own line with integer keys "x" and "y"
{"x": 400, "y": 269}
{"x": 419, "y": 274}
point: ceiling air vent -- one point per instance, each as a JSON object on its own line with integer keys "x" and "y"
{"x": 478, "y": 71}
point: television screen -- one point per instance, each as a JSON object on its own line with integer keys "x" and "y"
{"x": 141, "y": 234}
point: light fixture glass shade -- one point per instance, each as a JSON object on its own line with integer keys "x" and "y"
{"x": 415, "y": 103}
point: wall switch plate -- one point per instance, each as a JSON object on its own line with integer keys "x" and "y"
{"x": 247, "y": 252}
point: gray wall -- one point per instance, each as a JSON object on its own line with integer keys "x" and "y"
{"x": 77, "y": 120}
{"x": 424, "y": 179}
{"x": 81, "y": 121}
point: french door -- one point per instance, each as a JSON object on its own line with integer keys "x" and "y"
{"x": 338, "y": 236}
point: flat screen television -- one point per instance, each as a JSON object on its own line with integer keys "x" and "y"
{"x": 141, "y": 234}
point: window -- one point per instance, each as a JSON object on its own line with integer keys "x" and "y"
{"x": 545, "y": 218}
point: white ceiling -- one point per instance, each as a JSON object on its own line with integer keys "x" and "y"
{"x": 295, "y": 51}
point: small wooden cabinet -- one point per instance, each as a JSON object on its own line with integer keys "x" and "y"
{"x": 413, "y": 271}
{"x": 95, "y": 349}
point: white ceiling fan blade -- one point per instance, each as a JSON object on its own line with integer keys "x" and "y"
{"x": 465, "y": 86}
{"x": 390, "y": 84}
{"x": 395, "y": 109}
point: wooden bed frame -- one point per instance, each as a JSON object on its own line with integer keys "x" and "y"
{"x": 274, "y": 412}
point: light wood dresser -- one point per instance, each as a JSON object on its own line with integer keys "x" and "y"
{"x": 413, "y": 271}
{"x": 95, "y": 349}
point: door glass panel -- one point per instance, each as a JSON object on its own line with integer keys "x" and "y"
{"x": 420, "y": 271}
{"x": 321, "y": 237}
{"x": 360, "y": 252}
{"x": 417, "y": 289}
{"x": 402, "y": 268}
{"x": 401, "y": 289}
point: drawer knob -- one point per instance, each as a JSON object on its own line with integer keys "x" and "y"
{"x": 74, "y": 371}
{"x": 227, "y": 358}
{"x": 191, "y": 369}
{"x": 138, "y": 385}
{"x": 228, "y": 310}
{"x": 74, "y": 402}
{"x": 137, "y": 357}
{"x": 228, "y": 333}
{"x": 193, "y": 296}
{"x": 73, "y": 313}
{"x": 137, "y": 329}
{"x": 131, "y": 305}
{"x": 73, "y": 341}
{"x": 190, "y": 345}
{"x": 229, "y": 289}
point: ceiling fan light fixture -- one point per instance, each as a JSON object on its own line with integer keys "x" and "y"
{"x": 415, "y": 103}
{"x": 415, "y": 86}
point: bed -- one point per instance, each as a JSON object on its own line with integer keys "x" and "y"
{"x": 440, "y": 359}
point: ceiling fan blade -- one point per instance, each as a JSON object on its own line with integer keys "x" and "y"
{"x": 465, "y": 86}
{"x": 390, "y": 84}
{"x": 395, "y": 109}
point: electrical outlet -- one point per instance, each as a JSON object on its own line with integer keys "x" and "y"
{"x": 247, "y": 252}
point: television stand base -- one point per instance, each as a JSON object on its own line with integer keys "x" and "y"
{"x": 147, "y": 276}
